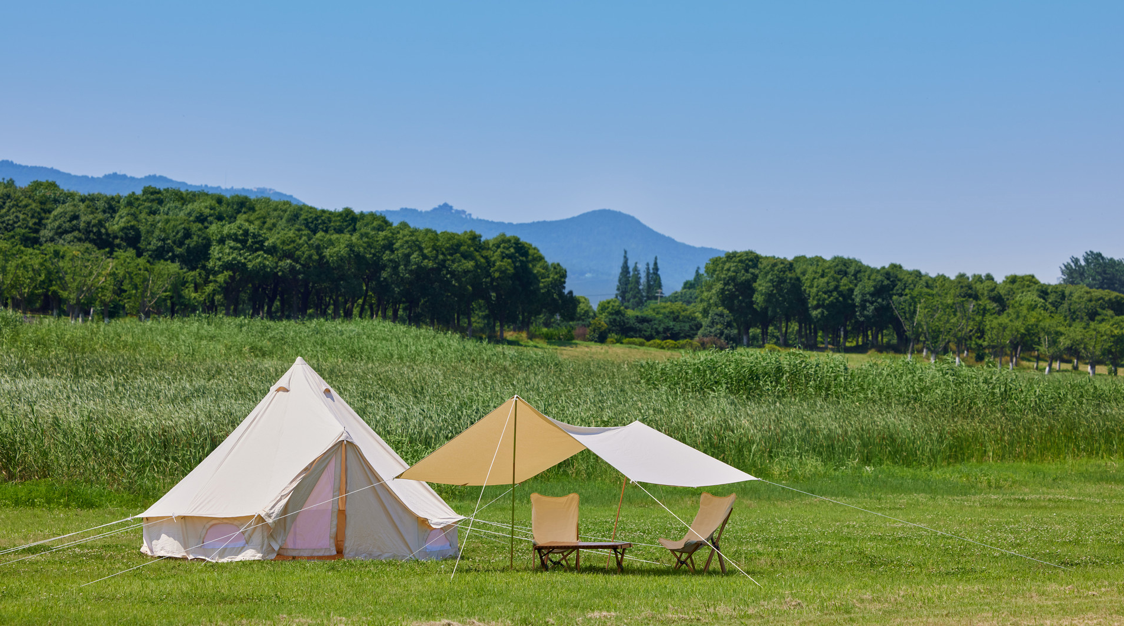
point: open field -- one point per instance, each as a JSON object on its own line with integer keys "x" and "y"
{"x": 135, "y": 406}
{"x": 816, "y": 561}
{"x": 96, "y": 421}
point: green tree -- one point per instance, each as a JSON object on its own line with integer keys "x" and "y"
{"x": 657, "y": 282}
{"x": 1094, "y": 270}
{"x": 79, "y": 271}
{"x": 634, "y": 298}
{"x": 146, "y": 284}
{"x": 27, "y": 275}
{"x": 76, "y": 223}
{"x": 510, "y": 278}
{"x": 1049, "y": 342}
{"x": 830, "y": 292}
{"x": 733, "y": 278}
{"x": 623, "y": 280}
{"x": 778, "y": 295}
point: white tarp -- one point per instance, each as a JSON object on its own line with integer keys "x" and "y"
{"x": 515, "y": 442}
{"x": 644, "y": 454}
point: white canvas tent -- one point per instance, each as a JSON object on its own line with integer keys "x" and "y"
{"x": 301, "y": 477}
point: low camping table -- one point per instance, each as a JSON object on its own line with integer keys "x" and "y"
{"x": 561, "y": 550}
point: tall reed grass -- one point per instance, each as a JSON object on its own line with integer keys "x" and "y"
{"x": 137, "y": 405}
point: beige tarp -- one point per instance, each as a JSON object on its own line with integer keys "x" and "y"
{"x": 266, "y": 470}
{"x": 482, "y": 454}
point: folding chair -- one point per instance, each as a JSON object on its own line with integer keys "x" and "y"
{"x": 554, "y": 524}
{"x": 709, "y": 523}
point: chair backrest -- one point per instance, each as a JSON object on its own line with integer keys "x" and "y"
{"x": 554, "y": 519}
{"x": 712, "y": 512}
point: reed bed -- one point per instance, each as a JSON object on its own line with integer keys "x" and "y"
{"x": 135, "y": 406}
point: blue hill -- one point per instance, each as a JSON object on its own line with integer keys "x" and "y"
{"x": 589, "y": 245}
{"x": 121, "y": 184}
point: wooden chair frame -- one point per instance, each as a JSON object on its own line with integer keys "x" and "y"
{"x": 686, "y": 554}
{"x": 559, "y": 556}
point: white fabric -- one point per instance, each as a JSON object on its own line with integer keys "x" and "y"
{"x": 279, "y": 452}
{"x": 183, "y": 537}
{"x": 646, "y": 455}
{"x": 313, "y": 527}
{"x": 223, "y": 536}
{"x": 488, "y": 452}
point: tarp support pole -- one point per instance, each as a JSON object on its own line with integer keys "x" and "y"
{"x": 341, "y": 514}
{"x": 609, "y": 560}
{"x": 514, "y": 441}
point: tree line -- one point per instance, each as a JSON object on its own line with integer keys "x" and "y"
{"x": 750, "y": 299}
{"x": 172, "y": 252}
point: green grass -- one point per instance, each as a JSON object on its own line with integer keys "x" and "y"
{"x": 816, "y": 561}
{"x": 134, "y": 406}
{"x": 96, "y": 421}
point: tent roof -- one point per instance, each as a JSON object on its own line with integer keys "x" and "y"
{"x": 482, "y": 454}
{"x": 255, "y": 469}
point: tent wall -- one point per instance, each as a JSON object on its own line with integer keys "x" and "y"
{"x": 379, "y": 525}
{"x": 183, "y": 537}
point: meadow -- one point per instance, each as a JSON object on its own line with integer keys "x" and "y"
{"x": 97, "y": 420}
{"x": 135, "y": 406}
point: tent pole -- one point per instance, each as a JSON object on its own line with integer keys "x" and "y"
{"x": 514, "y": 440}
{"x": 624, "y": 482}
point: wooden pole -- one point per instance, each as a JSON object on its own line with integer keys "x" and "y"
{"x": 514, "y": 440}
{"x": 341, "y": 511}
{"x": 624, "y": 482}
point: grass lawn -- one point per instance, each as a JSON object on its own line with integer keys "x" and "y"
{"x": 816, "y": 561}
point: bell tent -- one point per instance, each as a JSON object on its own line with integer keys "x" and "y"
{"x": 301, "y": 477}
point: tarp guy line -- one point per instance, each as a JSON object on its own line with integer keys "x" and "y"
{"x": 481, "y": 496}
{"x": 18, "y": 548}
{"x": 436, "y": 538}
{"x": 939, "y": 532}
{"x": 73, "y": 543}
{"x": 707, "y": 542}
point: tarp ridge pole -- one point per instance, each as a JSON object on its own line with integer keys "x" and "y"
{"x": 514, "y": 445}
{"x": 609, "y": 560}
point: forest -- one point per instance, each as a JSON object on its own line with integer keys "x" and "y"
{"x": 170, "y": 252}
{"x": 744, "y": 298}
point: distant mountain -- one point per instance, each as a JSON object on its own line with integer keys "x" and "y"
{"x": 121, "y": 184}
{"x": 589, "y": 245}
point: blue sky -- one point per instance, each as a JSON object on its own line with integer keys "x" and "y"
{"x": 947, "y": 136}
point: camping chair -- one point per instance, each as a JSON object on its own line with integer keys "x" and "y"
{"x": 711, "y": 520}
{"x": 554, "y": 524}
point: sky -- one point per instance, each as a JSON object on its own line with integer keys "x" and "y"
{"x": 946, "y": 136}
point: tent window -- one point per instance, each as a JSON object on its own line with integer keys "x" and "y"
{"x": 313, "y": 527}
{"x": 223, "y": 536}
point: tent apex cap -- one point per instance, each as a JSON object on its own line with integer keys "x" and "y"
{"x": 299, "y": 360}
